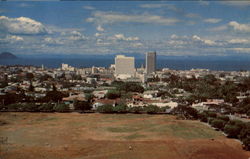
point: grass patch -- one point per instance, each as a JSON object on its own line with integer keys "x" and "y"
{"x": 134, "y": 136}
{"x": 122, "y": 129}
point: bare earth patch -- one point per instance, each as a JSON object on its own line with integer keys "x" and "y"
{"x": 112, "y": 136}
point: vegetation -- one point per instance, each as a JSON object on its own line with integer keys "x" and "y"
{"x": 233, "y": 128}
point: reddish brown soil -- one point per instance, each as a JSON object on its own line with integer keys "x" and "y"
{"x": 85, "y": 136}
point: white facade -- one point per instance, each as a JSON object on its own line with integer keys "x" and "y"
{"x": 124, "y": 66}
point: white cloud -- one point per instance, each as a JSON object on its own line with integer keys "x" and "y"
{"x": 99, "y": 28}
{"x": 122, "y": 37}
{"x": 239, "y": 27}
{"x": 49, "y": 40}
{"x": 240, "y": 50}
{"x": 219, "y": 28}
{"x": 173, "y": 36}
{"x": 111, "y": 17}
{"x": 239, "y": 41}
{"x": 15, "y": 38}
{"x": 153, "y": 5}
{"x": 98, "y": 34}
{"x": 76, "y": 35}
{"x": 193, "y": 15}
{"x": 137, "y": 44}
{"x": 204, "y": 3}
{"x": 159, "y": 5}
{"x": 212, "y": 20}
{"x": 21, "y": 25}
{"x": 88, "y": 7}
{"x": 11, "y": 39}
{"x": 238, "y": 3}
{"x": 203, "y": 41}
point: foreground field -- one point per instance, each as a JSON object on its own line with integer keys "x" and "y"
{"x": 111, "y": 136}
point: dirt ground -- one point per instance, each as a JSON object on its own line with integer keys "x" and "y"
{"x": 111, "y": 136}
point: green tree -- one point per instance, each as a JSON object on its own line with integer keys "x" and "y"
{"x": 233, "y": 128}
{"x": 218, "y": 123}
{"x": 113, "y": 94}
{"x": 107, "y": 108}
{"x": 82, "y": 105}
{"x": 47, "y": 107}
{"x": 62, "y": 108}
{"x": 54, "y": 96}
{"x": 120, "y": 108}
{"x": 152, "y": 109}
{"x": 135, "y": 110}
{"x": 245, "y": 136}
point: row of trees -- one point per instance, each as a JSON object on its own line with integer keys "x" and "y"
{"x": 32, "y": 107}
{"x": 122, "y": 108}
{"x": 233, "y": 128}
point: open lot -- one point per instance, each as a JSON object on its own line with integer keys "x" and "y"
{"x": 112, "y": 136}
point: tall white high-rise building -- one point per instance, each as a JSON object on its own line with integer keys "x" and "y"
{"x": 124, "y": 66}
{"x": 150, "y": 62}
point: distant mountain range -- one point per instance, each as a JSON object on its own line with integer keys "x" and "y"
{"x": 7, "y": 55}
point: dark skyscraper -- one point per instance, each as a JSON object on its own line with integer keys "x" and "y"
{"x": 150, "y": 62}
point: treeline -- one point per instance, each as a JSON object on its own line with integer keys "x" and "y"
{"x": 32, "y": 107}
{"x": 232, "y": 128}
{"x": 123, "y": 108}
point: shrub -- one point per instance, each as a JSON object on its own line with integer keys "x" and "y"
{"x": 47, "y": 107}
{"x": 203, "y": 117}
{"x": 245, "y": 136}
{"x": 233, "y": 128}
{"x": 218, "y": 123}
{"x": 212, "y": 114}
{"x": 210, "y": 120}
{"x": 152, "y": 109}
{"x": 61, "y": 108}
{"x": 135, "y": 110}
{"x": 29, "y": 107}
{"x": 105, "y": 109}
{"x": 122, "y": 108}
{"x": 224, "y": 118}
{"x": 83, "y": 105}
{"x": 113, "y": 94}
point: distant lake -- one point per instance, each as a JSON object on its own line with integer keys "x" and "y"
{"x": 177, "y": 64}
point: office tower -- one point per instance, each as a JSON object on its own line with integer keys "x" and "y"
{"x": 124, "y": 66}
{"x": 150, "y": 62}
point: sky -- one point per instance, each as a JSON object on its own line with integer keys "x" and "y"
{"x": 172, "y": 28}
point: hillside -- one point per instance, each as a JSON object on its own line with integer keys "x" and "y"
{"x": 7, "y": 55}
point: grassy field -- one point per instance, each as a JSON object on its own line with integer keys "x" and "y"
{"x": 112, "y": 136}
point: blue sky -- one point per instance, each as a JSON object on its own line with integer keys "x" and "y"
{"x": 102, "y": 27}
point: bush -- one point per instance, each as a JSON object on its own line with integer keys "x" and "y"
{"x": 83, "y": 105}
{"x": 61, "y": 108}
{"x": 210, "y": 120}
{"x": 29, "y": 107}
{"x": 105, "y": 109}
{"x": 122, "y": 108}
{"x": 186, "y": 111}
{"x": 212, "y": 114}
{"x": 47, "y": 107}
{"x": 203, "y": 117}
{"x": 135, "y": 110}
{"x": 152, "y": 109}
{"x": 224, "y": 118}
{"x": 233, "y": 128}
{"x": 113, "y": 94}
{"x": 245, "y": 136}
{"x": 218, "y": 124}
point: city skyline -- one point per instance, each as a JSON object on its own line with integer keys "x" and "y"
{"x": 171, "y": 27}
